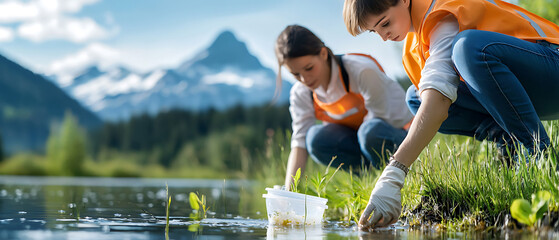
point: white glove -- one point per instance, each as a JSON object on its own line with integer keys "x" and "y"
{"x": 385, "y": 200}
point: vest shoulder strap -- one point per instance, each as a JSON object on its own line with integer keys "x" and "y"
{"x": 345, "y": 76}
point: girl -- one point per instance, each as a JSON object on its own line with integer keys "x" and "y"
{"x": 482, "y": 68}
{"x": 363, "y": 112}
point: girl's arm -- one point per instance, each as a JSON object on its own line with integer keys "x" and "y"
{"x": 302, "y": 114}
{"x": 431, "y": 114}
{"x": 297, "y": 159}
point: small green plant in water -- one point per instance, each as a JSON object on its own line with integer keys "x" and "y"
{"x": 295, "y": 183}
{"x": 167, "y": 212}
{"x": 527, "y": 213}
{"x": 321, "y": 181}
{"x": 198, "y": 204}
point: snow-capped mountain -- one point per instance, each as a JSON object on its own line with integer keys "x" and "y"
{"x": 223, "y": 75}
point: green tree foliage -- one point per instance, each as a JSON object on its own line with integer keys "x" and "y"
{"x": 1, "y": 149}
{"x": 66, "y": 149}
{"x": 226, "y": 140}
{"x": 548, "y": 9}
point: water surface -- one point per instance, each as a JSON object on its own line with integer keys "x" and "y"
{"x": 133, "y": 208}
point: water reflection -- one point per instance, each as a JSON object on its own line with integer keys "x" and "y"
{"x": 104, "y": 208}
{"x": 333, "y": 231}
{"x": 284, "y": 233}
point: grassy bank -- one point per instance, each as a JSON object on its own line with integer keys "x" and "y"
{"x": 456, "y": 181}
{"x": 119, "y": 165}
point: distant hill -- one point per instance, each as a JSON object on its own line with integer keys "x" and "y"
{"x": 221, "y": 76}
{"x": 30, "y": 104}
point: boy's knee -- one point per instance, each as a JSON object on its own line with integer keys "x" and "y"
{"x": 465, "y": 38}
{"x": 412, "y": 99}
{"x": 466, "y": 44}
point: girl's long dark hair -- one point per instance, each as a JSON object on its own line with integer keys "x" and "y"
{"x": 296, "y": 41}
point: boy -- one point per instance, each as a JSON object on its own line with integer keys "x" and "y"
{"x": 481, "y": 68}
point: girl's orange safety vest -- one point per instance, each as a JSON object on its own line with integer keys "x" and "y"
{"x": 350, "y": 109}
{"x": 488, "y": 15}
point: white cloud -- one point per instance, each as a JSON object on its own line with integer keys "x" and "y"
{"x": 94, "y": 54}
{"x": 93, "y": 92}
{"x": 245, "y": 80}
{"x": 42, "y": 20}
{"x": 75, "y": 30}
{"x": 16, "y": 11}
{"x": 70, "y": 6}
{"x": 13, "y": 11}
{"x": 6, "y": 34}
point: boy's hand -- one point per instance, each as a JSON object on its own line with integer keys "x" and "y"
{"x": 385, "y": 203}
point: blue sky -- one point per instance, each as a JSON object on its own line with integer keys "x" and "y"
{"x": 64, "y": 36}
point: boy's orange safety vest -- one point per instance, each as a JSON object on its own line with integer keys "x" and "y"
{"x": 488, "y": 15}
{"x": 350, "y": 109}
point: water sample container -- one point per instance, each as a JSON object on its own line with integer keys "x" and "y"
{"x": 290, "y": 208}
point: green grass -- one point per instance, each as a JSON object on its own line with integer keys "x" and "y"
{"x": 24, "y": 164}
{"x": 120, "y": 165}
{"x": 456, "y": 181}
{"x": 458, "y": 178}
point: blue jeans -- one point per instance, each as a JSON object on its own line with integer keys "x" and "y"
{"x": 350, "y": 147}
{"x": 509, "y": 86}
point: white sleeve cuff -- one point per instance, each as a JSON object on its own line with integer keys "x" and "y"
{"x": 298, "y": 142}
{"x": 438, "y": 72}
{"x": 447, "y": 89}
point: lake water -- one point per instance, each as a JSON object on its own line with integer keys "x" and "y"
{"x": 131, "y": 208}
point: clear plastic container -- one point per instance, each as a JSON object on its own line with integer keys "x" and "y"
{"x": 289, "y": 208}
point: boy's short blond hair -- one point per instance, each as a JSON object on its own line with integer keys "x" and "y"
{"x": 356, "y": 11}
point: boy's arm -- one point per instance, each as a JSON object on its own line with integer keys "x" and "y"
{"x": 438, "y": 90}
{"x": 385, "y": 203}
{"x": 438, "y": 72}
{"x": 438, "y": 87}
{"x": 431, "y": 114}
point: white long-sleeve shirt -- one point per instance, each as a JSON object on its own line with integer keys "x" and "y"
{"x": 438, "y": 72}
{"x": 384, "y": 97}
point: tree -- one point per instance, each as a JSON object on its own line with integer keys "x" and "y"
{"x": 66, "y": 148}
{"x": 1, "y": 149}
{"x": 548, "y": 9}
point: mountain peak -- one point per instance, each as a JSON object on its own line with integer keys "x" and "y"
{"x": 92, "y": 70}
{"x": 226, "y": 37}
{"x": 86, "y": 75}
{"x": 225, "y": 51}
{"x": 227, "y": 43}
{"x": 119, "y": 72}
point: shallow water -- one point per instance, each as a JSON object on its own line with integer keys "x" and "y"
{"x": 130, "y": 208}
